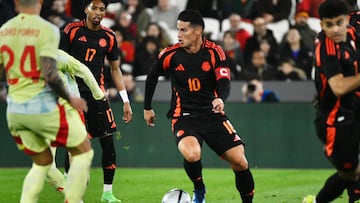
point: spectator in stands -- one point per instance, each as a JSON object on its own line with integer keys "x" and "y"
{"x": 253, "y": 92}
{"x": 259, "y": 68}
{"x": 166, "y": 13}
{"x": 138, "y": 13}
{"x": 260, "y": 33}
{"x": 287, "y": 71}
{"x": 307, "y": 34}
{"x": 274, "y": 10}
{"x": 245, "y": 8}
{"x": 295, "y": 49}
{"x": 271, "y": 56}
{"x": 241, "y": 34}
{"x": 233, "y": 53}
{"x": 126, "y": 47}
{"x": 7, "y": 8}
{"x": 310, "y": 6}
{"x": 146, "y": 54}
{"x": 54, "y": 11}
{"x": 155, "y": 30}
{"x": 124, "y": 24}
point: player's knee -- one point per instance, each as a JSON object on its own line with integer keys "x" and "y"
{"x": 240, "y": 164}
{"x": 192, "y": 155}
{"x": 43, "y": 158}
{"x": 190, "y": 148}
{"x": 85, "y": 146}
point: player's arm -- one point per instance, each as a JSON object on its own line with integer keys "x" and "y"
{"x": 341, "y": 85}
{"x": 80, "y": 70}
{"x": 52, "y": 77}
{"x": 119, "y": 84}
{"x": 150, "y": 86}
{"x": 55, "y": 82}
{"x": 84, "y": 72}
{"x": 222, "y": 75}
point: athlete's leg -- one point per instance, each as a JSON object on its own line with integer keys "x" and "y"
{"x": 76, "y": 183}
{"x": 108, "y": 160}
{"x": 353, "y": 191}
{"x": 190, "y": 148}
{"x": 35, "y": 178}
{"x": 243, "y": 178}
{"x": 54, "y": 176}
{"x": 333, "y": 188}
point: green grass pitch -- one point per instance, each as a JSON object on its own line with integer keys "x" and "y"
{"x": 148, "y": 185}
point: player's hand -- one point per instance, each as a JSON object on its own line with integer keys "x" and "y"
{"x": 127, "y": 112}
{"x": 218, "y": 105}
{"x": 149, "y": 116}
{"x": 78, "y": 103}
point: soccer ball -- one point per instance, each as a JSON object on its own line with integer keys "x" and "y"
{"x": 176, "y": 196}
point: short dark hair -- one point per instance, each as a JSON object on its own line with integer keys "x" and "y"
{"x": 333, "y": 8}
{"x": 87, "y": 2}
{"x": 192, "y": 16}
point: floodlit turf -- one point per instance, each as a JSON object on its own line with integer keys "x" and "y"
{"x": 142, "y": 185}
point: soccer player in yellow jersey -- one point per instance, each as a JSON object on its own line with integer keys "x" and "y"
{"x": 28, "y": 48}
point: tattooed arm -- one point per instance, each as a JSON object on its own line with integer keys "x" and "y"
{"x": 55, "y": 82}
{"x": 52, "y": 77}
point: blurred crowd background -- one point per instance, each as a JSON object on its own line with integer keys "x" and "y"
{"x": 264, "y": 40}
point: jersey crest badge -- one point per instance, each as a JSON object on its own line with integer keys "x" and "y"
{"x": 102, "y": 42}
{"x": 205, "y": 66}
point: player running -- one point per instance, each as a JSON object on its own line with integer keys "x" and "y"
{"x": 200, "y": 79}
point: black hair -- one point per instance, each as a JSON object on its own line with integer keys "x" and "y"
{"x": 87, "y": 2}
{"x": 192, "y": 16}
{"x": 333, "y": 8}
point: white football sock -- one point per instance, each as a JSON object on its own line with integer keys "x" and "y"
{"x": 107, "y": 188}
{"x": 54, "y": 176}
{"x": 56, "y": 179}
{"x": 77, "y": 177}
{"x": 33, "y": 183}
